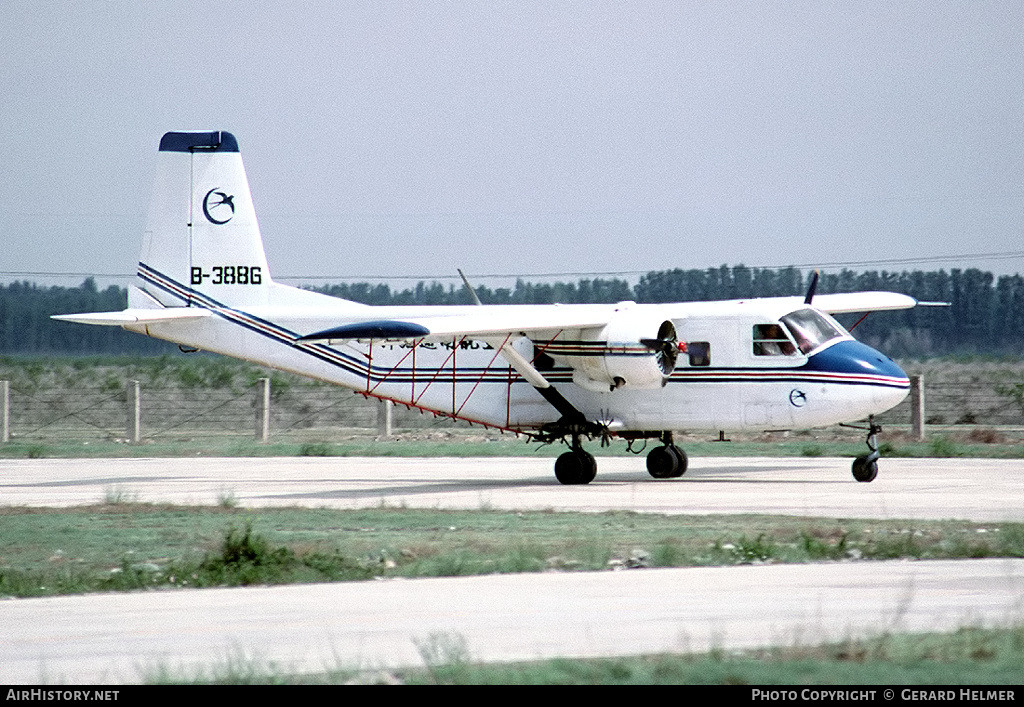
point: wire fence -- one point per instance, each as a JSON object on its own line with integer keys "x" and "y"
{"x": 177, "y": 413}
{"x": 966, "y": 394}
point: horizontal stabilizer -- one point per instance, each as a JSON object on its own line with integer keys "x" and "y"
{"x": 134, "y": 316}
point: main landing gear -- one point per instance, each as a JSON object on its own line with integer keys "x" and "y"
{"x": 577, "y": 466}
{"x": 667, "y": 462}
{"x": 865, "y": 467}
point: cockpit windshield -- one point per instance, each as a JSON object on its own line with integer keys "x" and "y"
{"x": 811, "y": 329}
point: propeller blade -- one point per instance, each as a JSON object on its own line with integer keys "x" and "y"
{"x": 665, "y": 347}
{"x": 813, "y": 288}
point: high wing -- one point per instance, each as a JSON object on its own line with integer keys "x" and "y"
{"x": 863, "y": 302}
{"x": 474, "y": 321}
{"x": 499, "y": 324}
{"x": 492, "y": 321}
{"x": 499, "y": 321}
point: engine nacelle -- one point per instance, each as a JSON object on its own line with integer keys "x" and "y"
{"x": 635, "y": 351}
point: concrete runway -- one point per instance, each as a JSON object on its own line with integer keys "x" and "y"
{"x": 972, "y": 489}
{"x": 121, "y": 638}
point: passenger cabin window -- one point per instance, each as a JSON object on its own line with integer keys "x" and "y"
{"x": 700, "y": 353}
{"x": 771, "y": 340}
{"x": 811, "y": 329}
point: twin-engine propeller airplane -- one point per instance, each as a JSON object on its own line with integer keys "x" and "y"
{"x": 553, "y": 372}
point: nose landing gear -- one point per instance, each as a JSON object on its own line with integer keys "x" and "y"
{"x": 865, "y": 467}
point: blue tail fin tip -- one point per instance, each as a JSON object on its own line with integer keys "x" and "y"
{"x": 206, "y": 141}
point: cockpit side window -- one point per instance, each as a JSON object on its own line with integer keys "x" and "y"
{"x": 811, "y": 329}
{"x": 771, "y": 340}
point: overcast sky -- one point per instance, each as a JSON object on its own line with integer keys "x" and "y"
{"x": 411, "y": 138}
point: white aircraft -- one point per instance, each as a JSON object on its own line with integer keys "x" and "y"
{"x": 553, "y": 372}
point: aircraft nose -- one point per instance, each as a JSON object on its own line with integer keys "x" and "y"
{"x": 875, "y": 362}
{"x": 853, "y": 357}
{"x": 897, "y": 383}
{"x": 856, "y": 363}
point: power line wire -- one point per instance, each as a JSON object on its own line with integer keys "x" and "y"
{"x": 919, "y": 260}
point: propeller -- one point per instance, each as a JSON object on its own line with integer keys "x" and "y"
{"x": 665, "y": 347}
{"x": 605, "y": 421}
{"x": 813, "y": 288}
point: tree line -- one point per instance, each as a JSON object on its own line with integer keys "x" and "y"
{"x": 985, "y": 314}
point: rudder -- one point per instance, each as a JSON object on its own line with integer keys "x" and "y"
{"x": 202, "y": 245}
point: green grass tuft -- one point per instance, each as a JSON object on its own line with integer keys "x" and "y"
{"x": 943, "y": 447}
{"x": 315, "y": 449}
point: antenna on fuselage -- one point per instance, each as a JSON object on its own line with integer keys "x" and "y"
{"x": 472, "y": 292}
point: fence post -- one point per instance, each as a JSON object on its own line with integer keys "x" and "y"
{"x": 134, "y": 427}
{"x": 5, "y": 412}
{"x": 917, "y": 407}
{"x": 384, "y": 418}
{"x": 263, "y": 410}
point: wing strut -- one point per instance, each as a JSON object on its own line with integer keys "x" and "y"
{"x": 570, "y": 414}
{"x": 569, "y": 411}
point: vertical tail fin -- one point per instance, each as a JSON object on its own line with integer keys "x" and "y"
{"x": 202, "y": 242}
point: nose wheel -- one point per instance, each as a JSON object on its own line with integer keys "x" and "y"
{"x": 865, "y": 467}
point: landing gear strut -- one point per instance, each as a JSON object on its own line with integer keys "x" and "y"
{"x": 577, "y": 466}
{"x": 865, "y": 467}
{"x": 666, "y": 462}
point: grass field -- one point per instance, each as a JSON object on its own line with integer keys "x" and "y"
{"x": 130, "y": 546}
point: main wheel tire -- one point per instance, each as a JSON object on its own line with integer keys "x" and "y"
{"x": 590, "y": 466}
{"x": 863, "y": 470}
{"x": 663, "y": 463}
{"x": 683, "y": 461}
{"x": 576, "y": 467}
